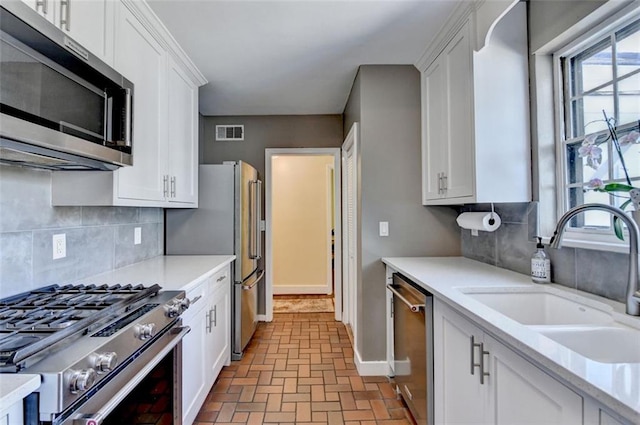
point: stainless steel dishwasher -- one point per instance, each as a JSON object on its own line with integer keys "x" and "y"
{"x": 412, "y": 364}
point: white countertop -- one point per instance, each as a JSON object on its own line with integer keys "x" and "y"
{"x": 14, "y": 387}
{"x": 171, "y": 272}
{"x": 617, "y": 386}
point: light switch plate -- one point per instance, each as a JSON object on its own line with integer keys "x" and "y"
{"x": 384, "y": 228}
{"x": 59, "y": 243}
{"x": 137, "y": 235}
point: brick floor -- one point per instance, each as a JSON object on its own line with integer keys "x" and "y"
{"x": 299, "y": 369}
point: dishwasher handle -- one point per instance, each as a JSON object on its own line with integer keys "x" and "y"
{"x": 415, "y": 308}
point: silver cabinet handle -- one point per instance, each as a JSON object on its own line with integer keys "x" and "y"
{"x": 195, "y": 300}
{"x": 44, "y": 5}
{"x": 474, "y": 345}
{"x": 221, "y": 278}
{"x": 444, "y": 182}
{"x": 215, "y": 315}
{"x": 165, "y": 185}
{"x": 482, "y": 354}
{"x": 173, "y": 186}
{"x": 208, "y": 318}
{"x": 439, "y": 183}
{"x": 65, "y": 14}
{"x": 415, "y": 308}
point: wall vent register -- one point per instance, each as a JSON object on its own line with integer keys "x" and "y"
{"x": 229, "y": 133}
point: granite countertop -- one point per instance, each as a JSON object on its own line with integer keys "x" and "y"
{"x": 616, "y": 386}
{"x": 171, "y": 272}
{"x": 14, "y": 387}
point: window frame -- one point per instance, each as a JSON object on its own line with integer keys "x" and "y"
{"x": 589, "y": 238}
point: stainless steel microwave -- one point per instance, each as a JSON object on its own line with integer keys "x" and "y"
{"x": 61, "y": 107}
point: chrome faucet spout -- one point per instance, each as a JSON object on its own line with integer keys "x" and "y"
{"x": 633, "y": 286}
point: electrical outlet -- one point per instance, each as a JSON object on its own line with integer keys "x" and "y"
{"x": 59, "y": 246}
{"x": 137, "y": 235}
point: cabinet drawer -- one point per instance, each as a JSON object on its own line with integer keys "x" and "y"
{"x": 198, "y": 296}
{"x": 220, "y": 278}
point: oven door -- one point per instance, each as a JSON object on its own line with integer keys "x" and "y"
{"x": 100, "y": 404}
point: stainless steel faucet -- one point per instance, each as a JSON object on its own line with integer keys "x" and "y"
{"x": 633, "y": 286}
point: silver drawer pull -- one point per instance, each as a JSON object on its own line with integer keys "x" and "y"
{"x": 413, "y": 307}
{"x": 221, "y": 278}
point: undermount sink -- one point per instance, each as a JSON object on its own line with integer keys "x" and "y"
{"x": 581, "y": 327}
{"x": 542, "y": 308}
{"x": 602, "y": 344}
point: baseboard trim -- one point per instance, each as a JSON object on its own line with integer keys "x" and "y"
{"x": 302, "y": 290}
{"x": 262, "y": 318}
{"x": 370, "y": 368}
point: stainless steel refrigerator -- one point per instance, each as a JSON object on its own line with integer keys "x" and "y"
{"x": 227, "y": 221}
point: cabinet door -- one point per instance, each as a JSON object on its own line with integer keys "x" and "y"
{"x": 142, "y": 60}
{"x": 520, "y": 393}
{"x": 183, "y": 136}
{"x": 459, "y": 178}
{"x": 90, "y": 23}
{"x": 46, "y": 8}
{"x": 434, "y": 104}
{"x": 458, "y": 396}
{"x": 219, "y": 336}
{"x": 194, "y": 382}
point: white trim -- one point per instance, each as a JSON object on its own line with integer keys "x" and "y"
{"x": 263, "y": 318}
{"x": 330, "y": 201}
{"x": 268, "y": 260}
{"x": 370, "y": 368}
{"x": 350, "y": 288}
{"x": 301, "y": 289}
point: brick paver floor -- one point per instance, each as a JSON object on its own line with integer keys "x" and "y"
{"x": 299, "y": 369}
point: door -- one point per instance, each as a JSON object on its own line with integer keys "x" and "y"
{"x": 434, "y": 103}
{"x": 142, "y": 60}
{"x": 248, "y": 210}
{"x": 350, "y": 232}
{"x": 91, "y": 23}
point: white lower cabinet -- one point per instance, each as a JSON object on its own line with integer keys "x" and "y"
{"x": 206, "y": 349}
{"x": 478, "y": 380}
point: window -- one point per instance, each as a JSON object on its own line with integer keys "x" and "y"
{"x": 600, "y": 83}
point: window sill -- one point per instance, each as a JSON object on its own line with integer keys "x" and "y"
{"x": 573, "y": 239}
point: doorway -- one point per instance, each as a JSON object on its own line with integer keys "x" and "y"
{"x": 303, "y": 227}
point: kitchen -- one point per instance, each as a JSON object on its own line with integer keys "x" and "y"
{"x": 102, "y": 238}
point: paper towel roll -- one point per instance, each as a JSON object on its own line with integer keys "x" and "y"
{"x": 485, "y": 221}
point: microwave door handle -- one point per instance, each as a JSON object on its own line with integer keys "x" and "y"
{"x": 128, "y": 115}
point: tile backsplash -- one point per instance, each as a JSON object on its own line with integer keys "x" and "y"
{"x": 511, "y": 246}
{"x": 98, "y": 239}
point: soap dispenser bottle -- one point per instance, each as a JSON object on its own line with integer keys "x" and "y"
{"x": 540, "y": 265}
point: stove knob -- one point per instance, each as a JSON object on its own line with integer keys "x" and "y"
{"x": 173, "y": 310}
{"x": 185, "y": 303}
{"x": 144, "y": 331}
{"x": 105, "y": 362}
{"x": 81, "y": 380}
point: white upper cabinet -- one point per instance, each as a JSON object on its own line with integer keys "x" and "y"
{"x": 165, "y": 121}
{"x": 143, "y": 61}
{"x": 182, "y": 131}
{"x": 475, "y": 114}
{"x": 89, "y": 22}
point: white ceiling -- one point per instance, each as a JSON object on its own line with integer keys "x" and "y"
{"x": 295, "y": 57}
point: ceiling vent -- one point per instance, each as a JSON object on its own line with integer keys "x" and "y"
{"x": 229, "y": 132}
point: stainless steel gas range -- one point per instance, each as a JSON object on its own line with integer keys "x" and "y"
{"x": 91, "y": 346}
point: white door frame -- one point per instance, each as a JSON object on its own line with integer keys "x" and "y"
{"x": 351, "y": 274}
{"x": 269, "y": 153}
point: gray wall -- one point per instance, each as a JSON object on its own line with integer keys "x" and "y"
{"x": 385, "y": 100}
{"x": 99, "y": 239}
{"x": 511, "y": 246}
{"x": 263, "y": 132}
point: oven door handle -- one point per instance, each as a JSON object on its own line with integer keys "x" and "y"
{"x": 98, "y": 417}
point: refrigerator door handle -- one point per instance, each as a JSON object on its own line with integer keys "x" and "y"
{"x": 255, "y": 282}
{"x": 258, "y": 219}
{"x": 254, "y": 219}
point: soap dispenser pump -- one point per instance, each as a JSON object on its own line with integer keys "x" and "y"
{"x": 540, "y": 265}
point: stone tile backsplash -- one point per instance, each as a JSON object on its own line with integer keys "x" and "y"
{"x": 511, "y": 246}
{"x": 99, "y": 239}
